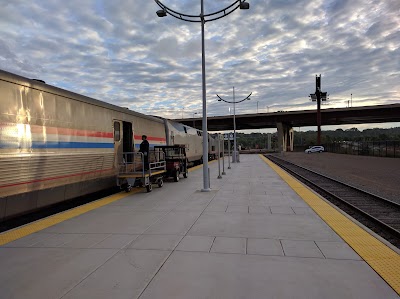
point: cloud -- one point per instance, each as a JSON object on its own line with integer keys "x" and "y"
{"x": 121, "y": 52}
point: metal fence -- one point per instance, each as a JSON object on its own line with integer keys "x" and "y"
{"x": 367, "y": 148}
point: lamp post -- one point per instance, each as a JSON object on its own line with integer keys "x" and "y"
{"x": 318, "y": 96}
{"x": 234, "y": 158}
{"x": 203, "y": 18}
{"x": 193, "y": 119}
{"x": 219, "y": 152}
{"x": 229, "y": 151}
{"x": 223, "y": 155}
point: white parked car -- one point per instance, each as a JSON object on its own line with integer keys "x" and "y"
{"x": 315, "y": 149}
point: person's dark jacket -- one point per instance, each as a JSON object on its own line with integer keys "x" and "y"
{"x": 144, "y": 148}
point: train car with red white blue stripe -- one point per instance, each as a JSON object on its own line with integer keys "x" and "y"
{"x": 56, "y": 145}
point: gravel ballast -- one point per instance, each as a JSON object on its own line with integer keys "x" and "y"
{"x": 377, "y": 175}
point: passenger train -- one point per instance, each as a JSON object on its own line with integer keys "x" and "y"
{"x": 56, "y": 145}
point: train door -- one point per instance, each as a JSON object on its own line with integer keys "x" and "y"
{"x": 117, "y": 142}
{"x": 127, "y": 139}
{"x": 123, "y": 139}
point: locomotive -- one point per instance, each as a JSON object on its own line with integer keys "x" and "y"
{"x": 57, "y": 145}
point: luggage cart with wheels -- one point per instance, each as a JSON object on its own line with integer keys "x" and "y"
{"x": 176, "y": 160}
{"x": 132, "y": 171}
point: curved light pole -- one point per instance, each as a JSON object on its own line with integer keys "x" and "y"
{"x": 203, "y": 18}
{"x": 234, "y": 119}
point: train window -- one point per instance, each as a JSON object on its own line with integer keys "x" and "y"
{"x": 117, "y": 131}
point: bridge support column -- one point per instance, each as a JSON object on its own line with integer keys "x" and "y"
{"x": 269, "y": 141}
{"x": 285, "y": 137}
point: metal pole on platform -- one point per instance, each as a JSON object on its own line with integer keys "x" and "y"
{"x": 203, "y": 18}
{"x": 229, "y": 151}
{"x": 223, "y": 156}
{"x": 234, "y": 127}
{"x": 235, "y": 155}
{"x": 219, "y": 162}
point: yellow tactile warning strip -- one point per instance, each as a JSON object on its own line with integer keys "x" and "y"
{"x": 39, "y": 225}
{"x": 385, "y": 261}
{"x": 201, "y": 165}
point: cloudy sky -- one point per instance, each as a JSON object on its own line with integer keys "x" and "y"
{"x": 120, "y": 52}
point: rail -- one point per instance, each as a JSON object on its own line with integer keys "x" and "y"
{"x": 379, "y": 214}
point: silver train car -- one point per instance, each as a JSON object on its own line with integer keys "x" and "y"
{"x": 177, "y": 133}
{"x": 56, "y": 145}
{"x": 213, "y": 140}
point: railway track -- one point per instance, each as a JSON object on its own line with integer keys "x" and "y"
{"x": 377, "y": 213}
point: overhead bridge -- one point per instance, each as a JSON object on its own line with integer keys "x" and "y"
{"x": 284, "y": 121}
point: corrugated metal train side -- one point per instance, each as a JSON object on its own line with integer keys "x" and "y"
{"x": 56, "y": 145}
{"x": 178, "y": 133}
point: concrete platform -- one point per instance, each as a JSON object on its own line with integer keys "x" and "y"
{"x": 251, "y": 237}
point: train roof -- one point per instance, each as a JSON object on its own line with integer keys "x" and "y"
{"x": 40, "y": 85}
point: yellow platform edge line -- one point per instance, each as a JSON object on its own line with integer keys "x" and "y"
{"x": 201, "y": 165}
{"x": 20, "y": 232}
{"x": 382, "y": 259}
{"x": 17, "y": 233}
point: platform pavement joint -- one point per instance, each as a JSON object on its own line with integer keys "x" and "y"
{"x": 253, "y": 236}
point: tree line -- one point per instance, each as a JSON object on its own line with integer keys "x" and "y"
{"x": 308, "y": 138}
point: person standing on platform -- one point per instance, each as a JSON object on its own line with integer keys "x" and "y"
{"x": 145, "y": 149}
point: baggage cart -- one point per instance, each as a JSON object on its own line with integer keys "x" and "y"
{"x": 132, "y": 171}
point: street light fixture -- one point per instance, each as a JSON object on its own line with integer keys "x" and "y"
{"x": 234, "y": 158}
{"x": 203, "y": 18}
{"x": 161, "y": 13}
{"x": 244, "y": 5}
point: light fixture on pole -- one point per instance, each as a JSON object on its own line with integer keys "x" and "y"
{"x": 161, "y": 13}
{"x": 234, "y": 157}
{"x": 203, "y": 18}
